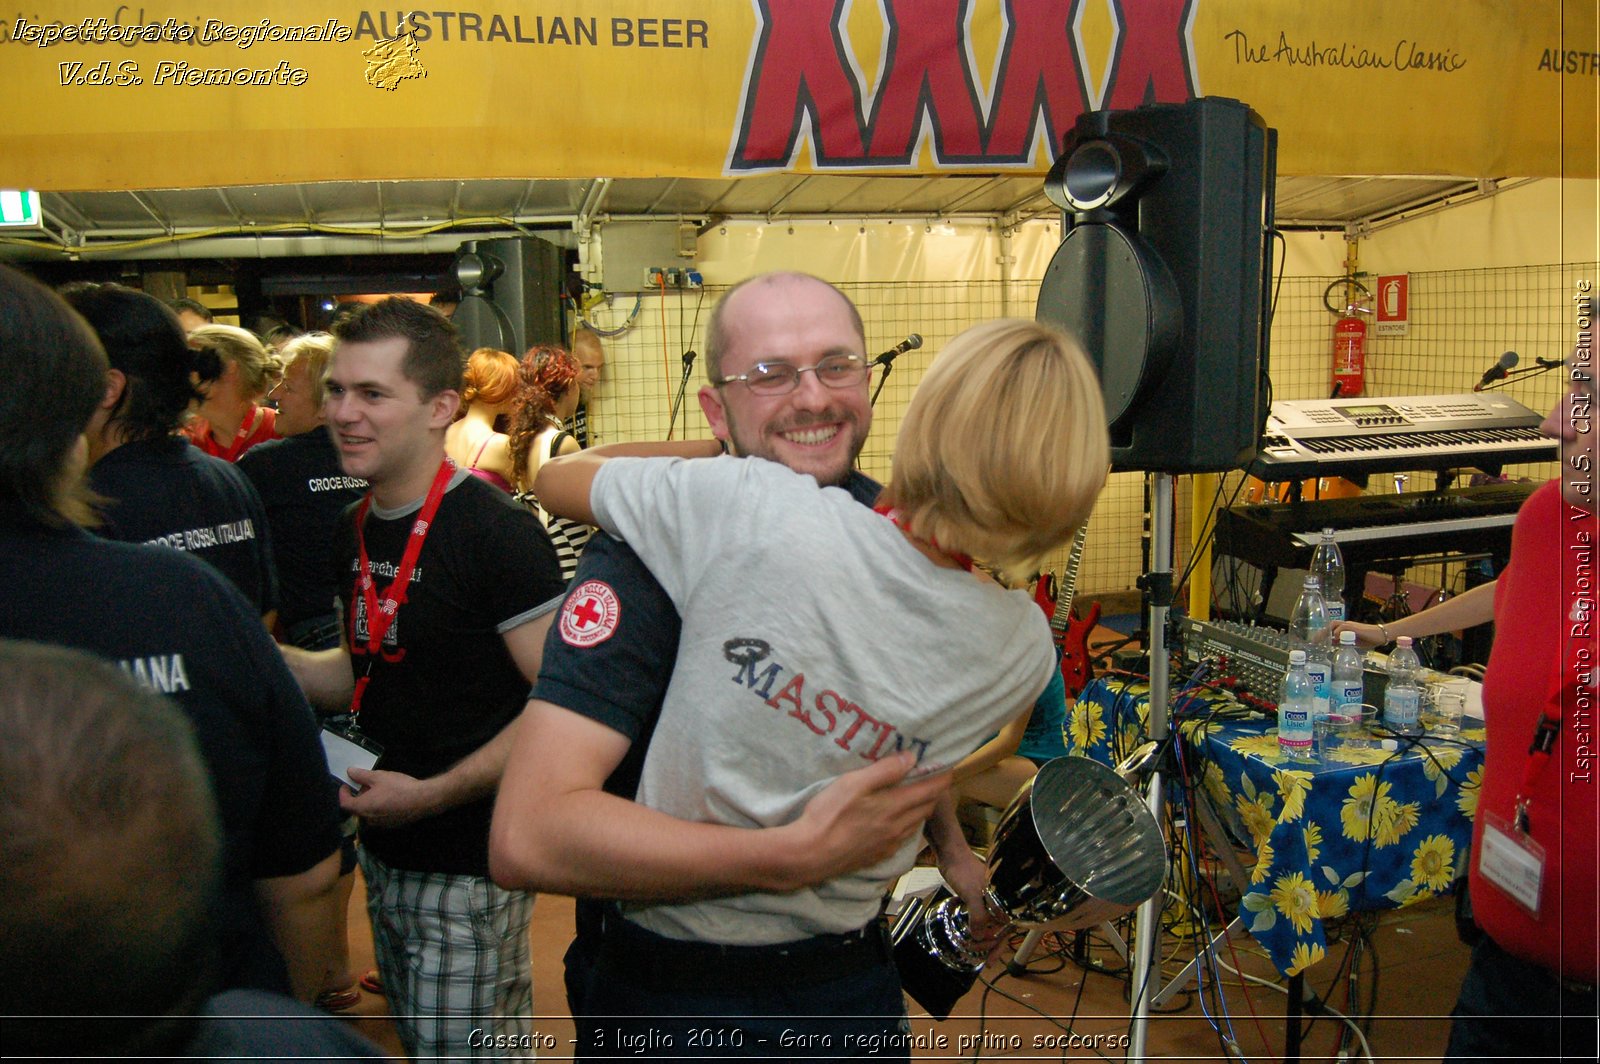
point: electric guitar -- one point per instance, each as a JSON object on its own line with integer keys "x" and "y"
{"x": 1071, "y": 633}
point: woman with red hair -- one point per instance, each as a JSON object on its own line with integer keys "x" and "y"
{"x": 488, "y": 390}
{"x": 549, "y": 397}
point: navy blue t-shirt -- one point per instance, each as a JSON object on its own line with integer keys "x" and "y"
{"x": 181, "y": 630}
{"x": 303, "y": 491}
{"x": 169, "y": 493}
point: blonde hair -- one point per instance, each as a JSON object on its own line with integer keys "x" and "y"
{"x": 259, "y": 369}
{"x": 314, "y": 349}
{"x": 1004, "y": 447}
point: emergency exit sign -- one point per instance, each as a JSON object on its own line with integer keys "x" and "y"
{"x": 19, "y": 209}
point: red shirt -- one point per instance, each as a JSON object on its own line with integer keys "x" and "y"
{"x": 1544, "y": 661}
{"x": 255, "y": 429}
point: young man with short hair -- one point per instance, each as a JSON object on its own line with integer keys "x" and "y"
{"x": 591, "y": 356}
{"x": 441, "y": 577}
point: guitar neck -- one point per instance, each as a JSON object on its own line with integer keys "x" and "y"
{"x": 1069, "y": 583}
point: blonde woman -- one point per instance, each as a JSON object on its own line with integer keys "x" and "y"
{"x": 488, "y": 391}
{"x": 230, "y": 420}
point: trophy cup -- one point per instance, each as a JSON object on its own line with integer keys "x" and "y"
{"x": 1076, "y": 847}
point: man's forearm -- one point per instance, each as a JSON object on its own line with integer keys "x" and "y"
{"x": 563, "y": 484}
{"x": 943, "y": 830}
{"x": 555, "y": 828}
{"x": 592, "y": 844}
{"x": 324, "y": 676}
{"x": 302, "y": 913}
{"x": 477, "y": 775}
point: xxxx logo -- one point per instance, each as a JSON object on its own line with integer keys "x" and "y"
{"x": 802, "y": 77}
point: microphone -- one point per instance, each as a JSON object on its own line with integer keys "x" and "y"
{"x": 910, "y": 343}
{"x": 688, "y": 359}
{"x": 1498, "y": 371}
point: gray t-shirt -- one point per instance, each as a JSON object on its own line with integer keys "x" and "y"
{"x": 815, "y": 639}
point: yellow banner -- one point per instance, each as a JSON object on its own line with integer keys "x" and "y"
{"x": 170, "y": 93}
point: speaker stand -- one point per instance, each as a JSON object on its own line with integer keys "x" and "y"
{"x": 1147, "y": 924}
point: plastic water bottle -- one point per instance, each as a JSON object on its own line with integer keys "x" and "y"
{"x": 1309, "y": 619}
{"x": 1296, "y": 711}
{"x": 1402, "y": 699}
{"x": 1327, "y": 562}
{"x": 1348, "y": 689}
{"x": 1309, "y": 624}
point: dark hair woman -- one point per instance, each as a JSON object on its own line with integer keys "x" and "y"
{"x": 157, "y": 486}
{"x": 549, "y": 397}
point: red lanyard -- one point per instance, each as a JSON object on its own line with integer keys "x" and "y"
{"x": 893, "y": 514}
{"x": 231, "y": 453}
{"x": 1545, "y": 732}
{"x": 381, "y": 615}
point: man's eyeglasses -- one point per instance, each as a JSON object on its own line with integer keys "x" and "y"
{"x": 776, "y": 378}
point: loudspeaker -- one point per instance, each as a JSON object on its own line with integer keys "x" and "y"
{"x": 1164, "y": 275}
{"x": 510, "y": 293}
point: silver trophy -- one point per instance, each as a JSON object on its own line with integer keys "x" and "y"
{"x": 1076, "y": 847}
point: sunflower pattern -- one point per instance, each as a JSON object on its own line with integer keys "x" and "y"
{"x": 1363, "y": 829}
{"x": 1292, "y": 789}
{"x": 1467, "y": 800}
{"x": 1433, "y": 864}
{"x": 1305, "y": 955}
{"x": 1296, "y": 900}
{"x": 1313, "y": 837}
{"x": 1087, "y": 724}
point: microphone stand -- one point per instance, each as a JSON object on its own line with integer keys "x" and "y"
{"x": 683, "y": 385}
{"x": 1542, "y": 365}
{"x": 886, "y": 360}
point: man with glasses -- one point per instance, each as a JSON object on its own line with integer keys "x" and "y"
{"x": 609, "y": 657}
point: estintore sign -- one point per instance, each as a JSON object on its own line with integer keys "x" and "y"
{"x": 1394, "y": 305}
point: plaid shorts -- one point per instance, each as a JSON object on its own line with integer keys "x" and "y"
{"x": 453, "y": 955}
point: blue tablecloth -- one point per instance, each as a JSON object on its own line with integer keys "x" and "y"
{"x": 1363, "y": 828}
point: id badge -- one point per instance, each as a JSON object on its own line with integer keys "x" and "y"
{"x": 1513, "y": 862}
{"x": 346, "y": 747}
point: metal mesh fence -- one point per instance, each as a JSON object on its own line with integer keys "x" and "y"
{"x": 1461, "y": 320}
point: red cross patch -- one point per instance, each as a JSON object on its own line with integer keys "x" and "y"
{"x": 590, "y": 614}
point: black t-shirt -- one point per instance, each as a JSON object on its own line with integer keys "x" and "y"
{"x": 578, "y": 424}
{"x": 182, "y": 630}
{"x": 169, "y": 493}
{"x": 445, "y": 684}
{"x": 303, "y": 491}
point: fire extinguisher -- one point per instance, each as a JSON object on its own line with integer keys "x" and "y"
{"x": 1349, "y": 338}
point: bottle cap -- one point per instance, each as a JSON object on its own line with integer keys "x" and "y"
{"x": 1403, "y": 641}
{"x": 1328, "y": 532}
{"x": 1297, "y": 657}
{"x": 1312, "y": 580}
{"x": 1347, "y": 638}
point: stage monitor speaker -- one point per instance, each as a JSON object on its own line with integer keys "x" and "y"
{"x": 510, "y": 293}
{"x": 1164, "y": 275}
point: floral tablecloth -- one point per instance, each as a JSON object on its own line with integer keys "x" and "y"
{"x": 1363, "y": 828}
